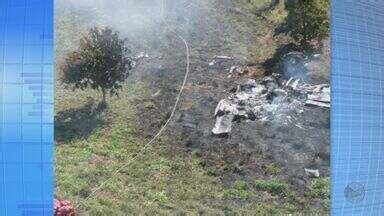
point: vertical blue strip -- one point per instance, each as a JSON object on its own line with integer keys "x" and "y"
{"x": 357, "y": 158}
{"x": 26, "y": 115}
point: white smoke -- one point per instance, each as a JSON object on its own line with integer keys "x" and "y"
{"x": 123, "y": 15}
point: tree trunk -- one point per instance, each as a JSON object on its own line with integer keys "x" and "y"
{"x": 104, "y": 100}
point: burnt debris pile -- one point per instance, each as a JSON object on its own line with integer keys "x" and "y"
{"x": 271, "y": 98}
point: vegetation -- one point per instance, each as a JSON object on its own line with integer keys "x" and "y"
{"x": 272, "y": 186}
{"x": 273, "y": 169}
{"x": 308, "y": 19}
{"x": 239, "y": 190}
{"x": 320, "y": 188}
{"x": 100, "y": 62}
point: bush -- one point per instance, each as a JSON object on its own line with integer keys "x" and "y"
{"x": 308, "y": 19}
{"x": 100, "y": 62}
{"x": 272, "y": 186}
{"x": 239, "y": 190}
{"x": 320, "y": 188}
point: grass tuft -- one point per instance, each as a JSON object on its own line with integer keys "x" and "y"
{"x": 273, "y": 169}
{"x": 273, "y": 186}
{"x": 320, "y": 188}
{"x": 239, "y": 190}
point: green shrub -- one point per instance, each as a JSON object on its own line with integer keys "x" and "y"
{"x": 308, "y": 19}
{"x": 239, "y": 190}
{"x": 272, "y": 186}
{"x": 320, "y": 188}
{"x": 160, "y": 197}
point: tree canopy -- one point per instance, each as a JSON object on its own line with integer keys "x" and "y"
{"x": 101, "y": 62}
{"x": 308, "y": 19}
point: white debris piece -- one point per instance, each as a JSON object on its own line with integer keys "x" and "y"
{"x": 224, "y": 57}
{"x": 295, "y": 84}
{"x": 326, "y": 98}
{"x": 280, "y": 92}
{"x": 142, "y": 55}
{"x": 157, "y": 93}
{"x": 233, "y": 69}
{"x": 224, "y": 107}
{"x": 218, "y": 59}
{"x": 314, "y": 173}
{"x": 317, "y": 103}
{"x": 137, "y": 59}
{"x": 223, "y": 124}
{"x": 320, "y": 96}
{"x": 287, "y": 82}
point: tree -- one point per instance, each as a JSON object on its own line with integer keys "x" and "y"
{"x": 308, "y": 19}
{"x": 272, "y": 5}
{"x": 100, "y": 62}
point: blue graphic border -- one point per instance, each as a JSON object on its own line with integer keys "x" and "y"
{"x": 357, "y": 107}
{"x": 26, "y": 115}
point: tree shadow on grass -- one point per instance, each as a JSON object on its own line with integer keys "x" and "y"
{"x": 78, "y": 122}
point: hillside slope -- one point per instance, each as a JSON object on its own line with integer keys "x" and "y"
{"x": 257, "y": 169}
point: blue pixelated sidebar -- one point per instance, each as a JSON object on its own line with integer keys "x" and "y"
{"x": 357, "y": 107}
{"x": 26, "y": 118}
